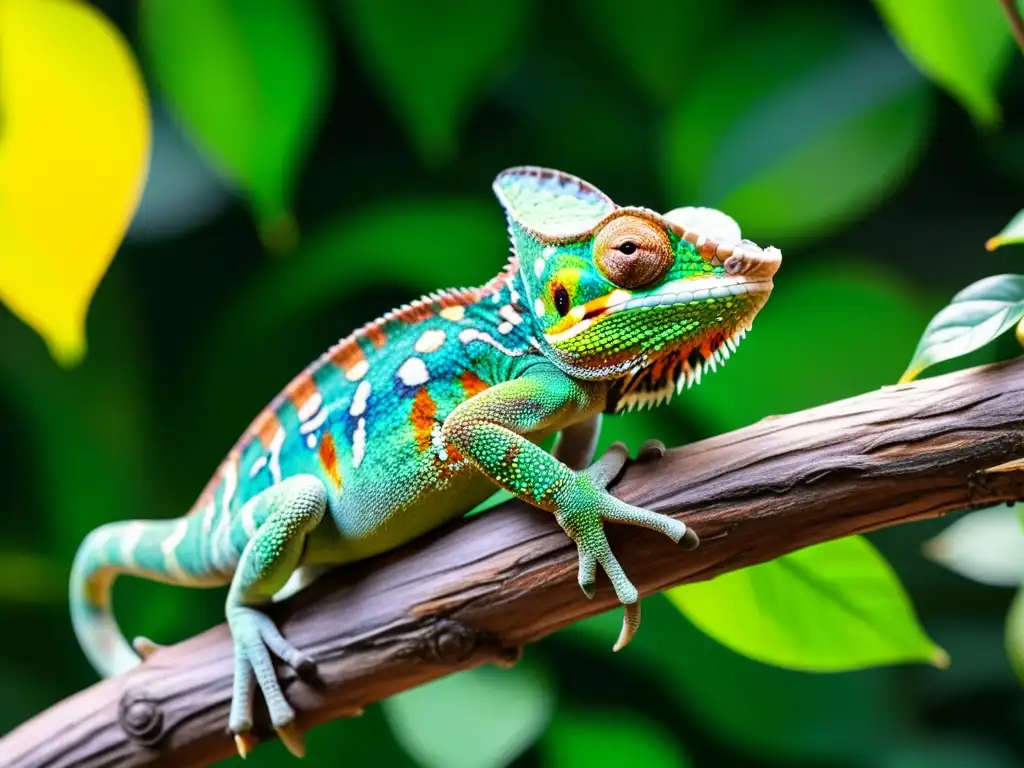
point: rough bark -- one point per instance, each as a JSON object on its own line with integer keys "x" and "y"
{"x": 477, "y": 590}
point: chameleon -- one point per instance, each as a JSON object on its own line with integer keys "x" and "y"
{"x": 420, "y": 415}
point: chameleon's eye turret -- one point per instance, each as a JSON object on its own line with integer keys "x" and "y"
{"x": 632, "y": 252}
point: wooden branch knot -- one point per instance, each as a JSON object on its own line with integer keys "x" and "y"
{"x": 141, "y": 718}
{"x": 451, "y": 642}
{"x": 454, "y": 643}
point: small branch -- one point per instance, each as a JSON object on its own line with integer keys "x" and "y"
{"x": 1016, "y": 22}
{"x": 477, "y": 590}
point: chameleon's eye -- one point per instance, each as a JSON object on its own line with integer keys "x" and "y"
{"x": 561, "y": 299}
{"x": 632, "y": 252}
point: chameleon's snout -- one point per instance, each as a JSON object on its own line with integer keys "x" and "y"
{"x": 753, "y": 262}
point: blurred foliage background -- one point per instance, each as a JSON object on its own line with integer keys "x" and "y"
{"x": 317, "y": 162}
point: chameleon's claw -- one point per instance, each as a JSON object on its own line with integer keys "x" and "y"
{"x": 292, "y": 738}
{"x": 145, "y": 647}
{"x": 589, "y": 589}
{"x": 244, "y": 743}
{"x": 651, "y": 450}
{"x": 690, "y": 540}
{"x": 630, "y": 624}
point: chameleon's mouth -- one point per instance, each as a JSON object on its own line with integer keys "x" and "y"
{"x": 677, "y": 292}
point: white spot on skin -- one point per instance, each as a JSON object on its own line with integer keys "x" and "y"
{"x": 455, "y": 314}
{"x": 129, "y": 541}
{"x": 549, "y": 251}
{"x": 310, "y": 407}
{"x": 313, "y": 424}
{"x": 257, "y": 465}
{"x": 513, "y": 295}
{"x": 469, "y": 335}
{"x": 230, "y": 484}
{"x": 413, "y": 372}
{"x": 509, "y": 314}
{"x": 170, "y": 544}
{"x": 209, "y": 513}
{"x": 358, "y": 407}
{"x": 359, "y": 444}
{"x": 496, "y": 298}
{"x": 311, "y": 441}
{"x": 249, "y": 520}
{"x": 577, "y": 312}
{"x": 275, "y": 456}
{"x": 538, "y": 308}
{"x": 430, "y": 341}
{"x": 538, "y": 267}
{"x": 505, "y": 328}
{"x": 357, "y": 371}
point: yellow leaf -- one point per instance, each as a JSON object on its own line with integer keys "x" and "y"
{"x": 74, "y": 152}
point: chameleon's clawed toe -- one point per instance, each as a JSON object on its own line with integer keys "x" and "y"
{"x": 630, "y": 624}
{"x": 145, "y": 647}
{"x": 244, "y": 743}
{"x": 690, "y": 540}
{"x": 292, "y": 738}
{"x": 651, "y": 450}
{"x": 607, "y": 468}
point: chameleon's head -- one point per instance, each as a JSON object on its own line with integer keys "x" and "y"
{"x": 647, "y": 300}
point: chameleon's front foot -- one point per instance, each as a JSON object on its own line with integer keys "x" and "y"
{"x": 582, "y": 513}
{"x": 255, "y": 637}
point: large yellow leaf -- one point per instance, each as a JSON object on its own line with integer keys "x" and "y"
{"x": 74, "y": 151}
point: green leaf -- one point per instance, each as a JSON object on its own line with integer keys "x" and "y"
{"x": 249, "y": 81}
{"x": 578, "y": 739}
{"x": 430, "y": 60}
{"x": 782, "y": 715}
{"x": 986, "y": 546}
{"x": 975, "y": 316}
{"x": 826, "y": 608}
{"x": 480, "y": 718}
{"x": 1014, "y": 637}
{"x": 1011, "y": 234}
{"x": 664, "y": 67}
{"x": 822, "y": 121}
{"x": 962, "y": 45}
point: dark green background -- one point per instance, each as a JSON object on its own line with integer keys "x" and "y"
{"x": 660, "y": 103}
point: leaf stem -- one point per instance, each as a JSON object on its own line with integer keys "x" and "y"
{"x": 1016, "y": 22}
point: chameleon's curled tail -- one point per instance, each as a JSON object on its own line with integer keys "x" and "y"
{"x": 141, "y": 548}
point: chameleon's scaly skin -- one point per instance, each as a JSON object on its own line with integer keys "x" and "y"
{"x": 413, "y": 419}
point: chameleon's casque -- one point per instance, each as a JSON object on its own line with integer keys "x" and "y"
{"x": 416, "y": 417}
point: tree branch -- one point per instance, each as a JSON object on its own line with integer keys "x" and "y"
{"x": 477, "y": 590}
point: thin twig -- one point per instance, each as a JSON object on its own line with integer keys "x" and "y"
{"x": 478, "y": 590}
{"x": 1016, "y": 22}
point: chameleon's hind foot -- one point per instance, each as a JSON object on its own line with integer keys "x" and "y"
{"x": 583, "y": 511}
{"x": 256, "y": 636}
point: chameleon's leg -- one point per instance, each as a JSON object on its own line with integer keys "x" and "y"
{"x": 576, "y": 444}
{"x": 284, "y": 515}
{"x": 489, "y": 429}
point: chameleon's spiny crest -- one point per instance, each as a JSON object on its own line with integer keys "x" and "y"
{"x": 413, "y": 419}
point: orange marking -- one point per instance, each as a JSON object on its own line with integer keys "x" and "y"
{"x": 265, "y": 426}
{"x": 301, "y": 389}
{"x": 424, "y": 411}
{"x": 347, "y": 355}
{"x": 329, "y": 459}
{"x": 472, "y": 384}
{"x": 375, "y": 333}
